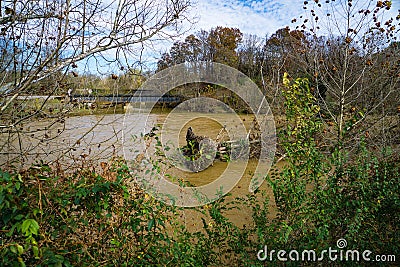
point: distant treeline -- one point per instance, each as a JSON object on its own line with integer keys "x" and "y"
{"x": 362, "y": 72}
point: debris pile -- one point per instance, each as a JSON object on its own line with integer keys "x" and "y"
{"x": 200, "y": 151}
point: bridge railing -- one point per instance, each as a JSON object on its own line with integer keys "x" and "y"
{"x": 128, "y": 99}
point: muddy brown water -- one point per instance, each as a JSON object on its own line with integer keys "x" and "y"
{"x": 99, "y": 137}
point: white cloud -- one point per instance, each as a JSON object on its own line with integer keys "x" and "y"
{"x": 251, "y": 17}
{"x": 262, "y": 17}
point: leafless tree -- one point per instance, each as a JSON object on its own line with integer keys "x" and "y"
{"x": 352, "y": 61}
{"x": 43, "y": 41}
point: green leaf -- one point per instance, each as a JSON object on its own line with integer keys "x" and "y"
{"x": 17, "y": 185}
{"x": 287, "y": 233}
{"x": 20, "y": 178}
{"x": 150, "y": 224}
{"x": 13, "y": 249}
{"x": 18, "y": 217}
{"x": 21, "y": 262}
{"x": 29, "y": 227}
{"x": 10, "y": 233}
{"x": 35, "y": 250}
{"x": 20, "y": 249}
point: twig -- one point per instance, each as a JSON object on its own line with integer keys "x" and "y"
{"x": 9, "y": 101}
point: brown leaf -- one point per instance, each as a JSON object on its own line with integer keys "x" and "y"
{"x": 103, "y": 165}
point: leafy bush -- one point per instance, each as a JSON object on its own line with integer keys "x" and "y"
{"x": 84, "y": 219}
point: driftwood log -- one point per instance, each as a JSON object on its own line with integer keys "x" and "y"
{"x": 199, "y": 151}
{"x": 224, "y": 148}
{"x": 193, "y": 140}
